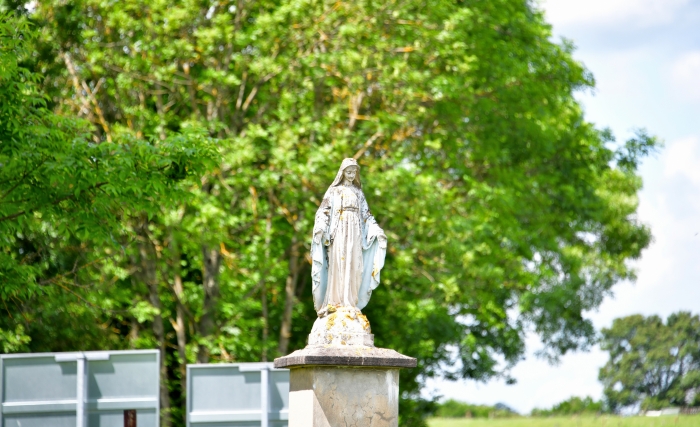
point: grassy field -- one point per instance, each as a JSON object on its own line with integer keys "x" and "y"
{"x": 604, "y": 421}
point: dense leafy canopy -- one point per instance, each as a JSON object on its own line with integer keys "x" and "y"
{"x": 505, "y": 210}
{"x": 58, "y": 184}
{"x": 652, "y": 364}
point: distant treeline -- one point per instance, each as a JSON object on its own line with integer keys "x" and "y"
{"x": 455, "y": 409}
{"x": 572, "y": 406}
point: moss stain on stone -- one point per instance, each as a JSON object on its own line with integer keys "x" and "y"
{"x": 331, "y": 321}
{"x": 364, "y": 322}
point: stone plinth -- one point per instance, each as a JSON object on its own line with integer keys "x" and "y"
{"x": 349, "y": 385}
{"x": 346, "y": 356}
{"x": 345, "y": 326}
{"x": 331, "y": 396}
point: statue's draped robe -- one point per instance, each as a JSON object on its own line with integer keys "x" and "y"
{"x": 348, "y": 260}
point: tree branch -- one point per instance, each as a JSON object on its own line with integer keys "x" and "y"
{"x": 91, "y": 95}
{"x": 55, "y": 202}
{"x": 368, "y": 144}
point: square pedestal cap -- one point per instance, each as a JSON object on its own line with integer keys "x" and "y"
{"x": 357, "y": 356}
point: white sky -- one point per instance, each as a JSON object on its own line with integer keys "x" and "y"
{"x": 645, "y": 56}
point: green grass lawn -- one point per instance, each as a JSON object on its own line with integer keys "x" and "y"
{"x": 603, "y": 421}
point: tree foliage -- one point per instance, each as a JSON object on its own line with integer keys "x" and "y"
{"x": 652, "y": 364}
{"x": 456, "y": 409}
{"x": 65, "y": 193}
{"x": 505, "y": 210}
{"x": 572, "y": 406}
{"x": 58, "y": 182}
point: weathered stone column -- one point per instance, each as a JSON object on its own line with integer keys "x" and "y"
{"x": 334, "y": 384}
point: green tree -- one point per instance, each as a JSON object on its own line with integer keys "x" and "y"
{"x": 504, "y": 208}
{"x": 456, "y": 409}
{"x": 58, "y": 181}
{"x": 65, "y": 195}
{"x": 572, "y": 406}
{"x": 652, "y": 364}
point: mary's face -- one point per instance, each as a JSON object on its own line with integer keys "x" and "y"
{"x": 349, "y": 173}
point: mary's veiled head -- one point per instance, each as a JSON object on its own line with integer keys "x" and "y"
{"x": 349, "y": 162}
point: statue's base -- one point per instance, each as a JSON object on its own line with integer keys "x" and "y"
{"x": 344, "y": 326}
{"x": 344, "y": 385}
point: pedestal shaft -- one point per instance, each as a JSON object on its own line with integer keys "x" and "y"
{"x": 331, "y": 396}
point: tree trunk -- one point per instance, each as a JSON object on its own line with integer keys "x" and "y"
{"x": 148, "y": 269}
{"x": 179, "y": 327}
{"x": 263, "y": 290}
{"x": 133, "y": 333}
{"x": 265, "y": 321}
{"x": 211, "y": 260}
{"x": 179, "y": 324}
{"x": 289, "y": 297}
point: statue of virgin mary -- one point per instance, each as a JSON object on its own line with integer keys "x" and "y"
{"x": 348, "y": 247}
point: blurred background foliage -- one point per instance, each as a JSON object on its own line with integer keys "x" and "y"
{"x": 456, "y": 409}
{"x": 573, "y": 406}
{"x": 188, "y": 145}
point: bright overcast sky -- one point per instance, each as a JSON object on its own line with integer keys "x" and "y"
{"x": 645, "y": 56}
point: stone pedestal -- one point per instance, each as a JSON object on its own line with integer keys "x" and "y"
{"x": 334, "y": 396}
{"x": 344, "y": 385}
